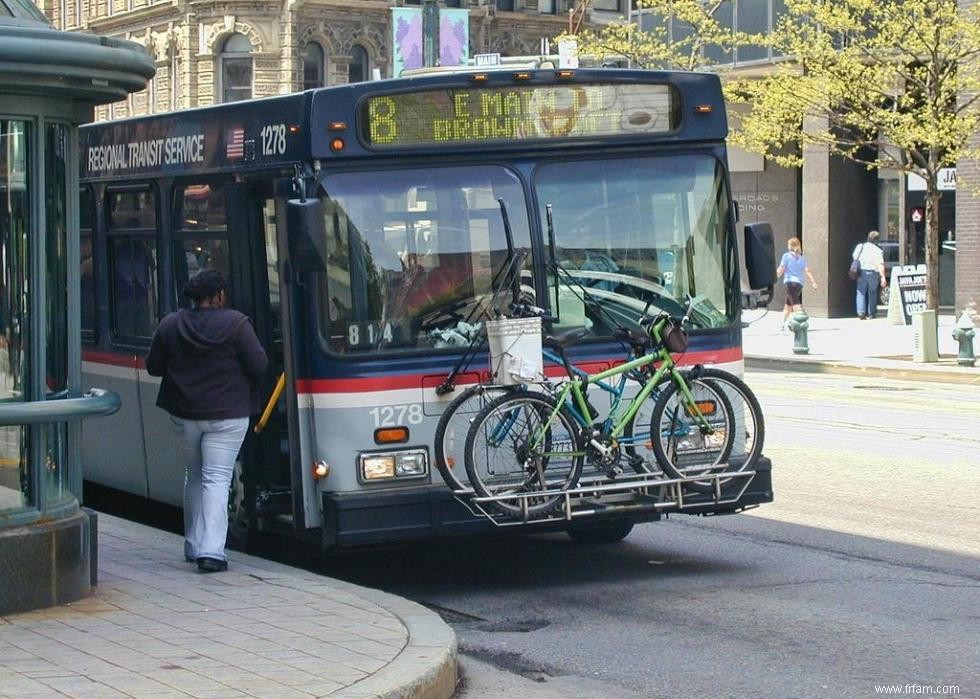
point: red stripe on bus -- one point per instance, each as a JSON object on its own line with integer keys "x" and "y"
{"x": 125, "y": 360}
{"x": 370, "y": 384}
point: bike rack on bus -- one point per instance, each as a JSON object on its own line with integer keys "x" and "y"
{"x": 584, "y": 499}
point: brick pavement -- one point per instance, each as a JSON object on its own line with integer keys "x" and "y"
{"x": 156, "y": 628}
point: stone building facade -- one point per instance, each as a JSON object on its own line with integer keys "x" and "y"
{"x": 279, "y": 47}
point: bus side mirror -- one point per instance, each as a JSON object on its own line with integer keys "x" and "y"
{"x": 760, "y": 258}
{"x": 307, "y": 235}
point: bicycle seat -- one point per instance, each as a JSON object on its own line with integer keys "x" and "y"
{"x": 635, "y": 338}
{"x": 566, "y": 337}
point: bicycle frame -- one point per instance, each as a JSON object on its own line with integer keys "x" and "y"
{"x": 571, "y": 395}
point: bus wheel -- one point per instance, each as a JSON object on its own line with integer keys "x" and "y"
{"x": 240, "y": 531}
{"x": 608, "y": 533}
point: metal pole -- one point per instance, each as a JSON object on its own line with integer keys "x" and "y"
{"x": 430, "y": 33}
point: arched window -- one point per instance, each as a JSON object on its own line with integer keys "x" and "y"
{"x": 312, "y": 66}
{"x": 358, "y": 70}
{"x": 236, "y": 68}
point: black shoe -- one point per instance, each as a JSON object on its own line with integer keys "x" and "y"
{"x": 189, "y": 559}
{"x": 211, "y": 565}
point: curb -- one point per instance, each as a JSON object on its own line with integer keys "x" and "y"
{"x": 426, "y": 668}
{"x": 819, "y": 366}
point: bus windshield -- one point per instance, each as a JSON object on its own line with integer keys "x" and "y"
{"x": 412, "y": 254}
{"x": 416, "y": 256}
{"x": 633, "y": 231}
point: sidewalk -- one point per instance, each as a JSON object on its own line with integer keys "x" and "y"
{"x": 872, "y": 348}
{"x": 156, "y": 628}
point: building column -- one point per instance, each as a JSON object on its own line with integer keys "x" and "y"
{"x": 967, "y": 294}
{"x": 840, "y": 206}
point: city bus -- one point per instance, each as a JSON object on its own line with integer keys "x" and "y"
{"x": 361, "y": 227}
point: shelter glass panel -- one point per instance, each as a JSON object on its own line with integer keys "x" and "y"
{"x": 87, "y": 265}
{"x": 15, "y": 197}
{"x": 57, "y": 141}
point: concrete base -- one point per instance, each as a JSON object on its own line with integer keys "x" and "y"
{"x": 45, "y": 564}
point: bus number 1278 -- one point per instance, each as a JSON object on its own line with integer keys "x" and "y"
{"x": 273, "y": 139}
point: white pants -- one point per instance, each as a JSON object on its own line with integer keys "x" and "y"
{"x": 210, "y": 448}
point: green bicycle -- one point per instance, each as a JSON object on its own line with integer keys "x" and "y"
{"x": 526, "y": 448}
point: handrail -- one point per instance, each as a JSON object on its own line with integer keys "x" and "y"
{"x": 273, "y": 399}
{"x": 96, "y": 402}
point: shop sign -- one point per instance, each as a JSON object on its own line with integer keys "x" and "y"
{"x": 907, "y": 292}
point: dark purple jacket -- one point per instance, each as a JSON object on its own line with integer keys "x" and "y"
{"x": 210, "y": 361}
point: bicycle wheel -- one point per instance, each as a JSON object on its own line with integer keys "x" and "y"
{"x": 682, "y": 449}
{"x": 512, "y": 448}
{"x": 750, "y": 427}
{"x": 452, "y": 427}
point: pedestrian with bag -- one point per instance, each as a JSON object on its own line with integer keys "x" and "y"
{"x": 792, "y": 267}
{"x": 868, "y": 270}
{"x": 211, "y": 360}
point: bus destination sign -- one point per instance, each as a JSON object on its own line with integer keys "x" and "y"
{"x": 516, "y": 113}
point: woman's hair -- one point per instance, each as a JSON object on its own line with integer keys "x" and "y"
{"x": 873, "y": 236}
{"x": 204, "y": 285}
{"x": 794, "y": 244}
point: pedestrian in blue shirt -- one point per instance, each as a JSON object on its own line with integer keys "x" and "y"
{"x": 791, "y": 268}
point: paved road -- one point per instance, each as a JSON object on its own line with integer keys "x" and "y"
{"x": 865, "y": 572}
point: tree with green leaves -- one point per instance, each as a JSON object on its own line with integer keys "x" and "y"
{"x": 890, "y": 84}
{"x": 674, "y": 36}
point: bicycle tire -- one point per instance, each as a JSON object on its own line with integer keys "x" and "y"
{"x": 500, "y": 459}
{"x": 749, "y": 421}
{"x": 454, "y": 423}
{"x": 681, "y": 449}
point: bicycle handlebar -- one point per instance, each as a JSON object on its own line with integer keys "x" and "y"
{"x": 526, "y": 310}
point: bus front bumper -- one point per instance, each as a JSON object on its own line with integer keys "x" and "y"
{"x": 354, "y": 519}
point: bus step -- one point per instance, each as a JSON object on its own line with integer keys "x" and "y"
{"x": 273, "y": 501}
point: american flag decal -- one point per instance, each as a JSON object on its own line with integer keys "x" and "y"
{"x": 235, "y": 143}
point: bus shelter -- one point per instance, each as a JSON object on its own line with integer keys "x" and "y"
{"x": 50, "y": 82}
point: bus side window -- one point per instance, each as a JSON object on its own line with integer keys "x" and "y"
{"x": 132, "y": 264}
{"x": 134, "y": 293}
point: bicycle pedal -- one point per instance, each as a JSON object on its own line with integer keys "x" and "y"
{"x": 613, "y": 472}
{"x": 636, "y": 461}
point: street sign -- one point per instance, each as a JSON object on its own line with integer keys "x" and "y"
{"x": 918, "y": 214}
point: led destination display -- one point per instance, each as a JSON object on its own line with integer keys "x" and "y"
{"x": 489, "y": 114}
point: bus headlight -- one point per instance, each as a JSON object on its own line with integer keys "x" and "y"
{"x": 394, "y": 464}
{"x": 412, "y": 464}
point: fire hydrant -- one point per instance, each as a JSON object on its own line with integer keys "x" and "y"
{"x": 799, "y": 324}
{"x": 963, "y": 333}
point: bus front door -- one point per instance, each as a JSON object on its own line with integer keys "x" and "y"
{"x": 262, "y": 491}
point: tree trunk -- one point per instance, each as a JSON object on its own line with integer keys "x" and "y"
{"x": 932, "y": 243}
